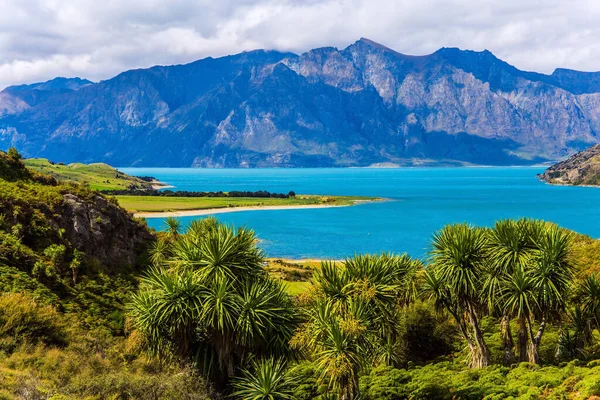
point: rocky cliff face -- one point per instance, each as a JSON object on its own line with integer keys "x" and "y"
{"x": 583, "y": 168}
{"x": 102, "y": 230}
{"x": 37, "y": 212}
{"x": 362, "y": 105}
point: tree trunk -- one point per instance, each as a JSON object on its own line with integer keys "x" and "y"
{"x": 481, "y": 357}
{"x": 509, "y": 352}
{"x": 350, "y": 389}
{"x": 558, "y": 353}
{"x": 534, "y": 342}
{"x": 479, "y": 353}
{"x": 523, "y": 357}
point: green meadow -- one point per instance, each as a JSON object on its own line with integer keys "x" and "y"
{"x": 97, "y": 176}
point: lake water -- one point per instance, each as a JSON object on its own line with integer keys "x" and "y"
{"x": 421, "y": 201}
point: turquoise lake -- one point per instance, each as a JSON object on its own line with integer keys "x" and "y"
{"x": 421, "y": 201}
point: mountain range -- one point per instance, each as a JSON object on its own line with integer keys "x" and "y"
{"x": 365, "y": 105}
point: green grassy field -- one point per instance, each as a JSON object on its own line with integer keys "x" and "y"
{"x": 295, "y": 288}
{"x": 98, "y": 176}
{"x": 294, "y": 274}
{"x": 162, "y": 204}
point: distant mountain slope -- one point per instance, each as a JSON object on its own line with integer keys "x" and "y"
{"x": 15, "y": 99}
{"x": 363, "y": 105}
{"x": 582, "y": 168}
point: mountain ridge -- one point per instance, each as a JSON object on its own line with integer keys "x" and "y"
{"x": 365, "y": 104}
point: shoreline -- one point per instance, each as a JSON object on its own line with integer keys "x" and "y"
{"x": 158, "y": 186}
{"x": 568, "y": 184}
{"x": 223, "y": 210}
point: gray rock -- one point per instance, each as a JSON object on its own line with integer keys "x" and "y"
{"x": 102, "y": 230}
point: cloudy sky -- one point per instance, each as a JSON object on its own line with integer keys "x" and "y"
{"x": 41, "y": 39}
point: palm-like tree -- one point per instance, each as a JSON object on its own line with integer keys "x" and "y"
{"x": 214, "y": 304}
{"x": 551, "y": 274}
{"x": 160, "y": 251}
{"x": 339, "y": 357}
{"x": 458, "y": 257}
{"x": 353, "y": 315}
{"x": 510, "y": 247}
{"x": 266, "y": 380}
{"x": 167, "y": 310}
{"x": 519, "y": 299}
{"x": 221, "y": 252}
{"x": 589, "y": 298}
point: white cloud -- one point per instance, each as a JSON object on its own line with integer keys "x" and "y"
{"x": 41, "y": 39}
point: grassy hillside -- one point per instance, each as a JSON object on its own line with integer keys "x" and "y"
{"x": 98, "y": 176}
{"x": 63, "y": 292}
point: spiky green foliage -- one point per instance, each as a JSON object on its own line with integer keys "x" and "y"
{"x": 352, "y": 318}
{"x": 459, "y": 261}
{"x": 173, "y": 225}
{"x": 210, "y": 301}
{"x": 588, "y": 294}
{"x": 519, "y": 269}
{"x": 266, "y": 380}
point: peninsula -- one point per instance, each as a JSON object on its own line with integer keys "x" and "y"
{"x": 581, "y": 169}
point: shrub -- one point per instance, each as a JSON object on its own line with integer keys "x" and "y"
{"x": 23, "y": 319}
{"x": 56, "y": 253}
{"x": 425, "y": 334}
{"x": 14, "y": 281}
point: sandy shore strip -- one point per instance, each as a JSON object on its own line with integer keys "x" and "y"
{"x": 210, "y": 211}
{"x": 158, "y": 186}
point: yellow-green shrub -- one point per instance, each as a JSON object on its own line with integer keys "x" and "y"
{"x": 22, "y": 319}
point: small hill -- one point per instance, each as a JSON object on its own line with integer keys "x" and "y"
{"x": 582, "y": 168}
{"x": 39, "y": 210}
{"x": 64, "y": 236}
{"x": 98, "y": 176}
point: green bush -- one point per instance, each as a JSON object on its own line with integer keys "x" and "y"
{"x": 425, "y": 334}
{"x": 22, "y": 319}
{"x": 14, "y": 281}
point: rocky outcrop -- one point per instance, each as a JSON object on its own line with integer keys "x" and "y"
{"x": 102, "y": 230}
{"x": 359, "y": 106}
{"x": 582, "y": 168}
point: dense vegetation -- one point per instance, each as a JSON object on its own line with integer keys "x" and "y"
{"x": 499, "y": 313}
{"x": 511, "y": 311}
{"x": 62, "y": 310}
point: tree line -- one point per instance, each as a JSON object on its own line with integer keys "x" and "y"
{"x": 185, "y": 193}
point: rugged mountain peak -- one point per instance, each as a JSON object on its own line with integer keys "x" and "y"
{"x": 60, "y": 83}
{"x": 371, "y": 43}
{"x": 15, "y": 99}
{"x": 576, "y": 81}
{"x": 364, "y": 45}
{"x": 357, "y": 106}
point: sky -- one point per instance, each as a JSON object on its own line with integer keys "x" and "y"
{"x": 93, "y": 39}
